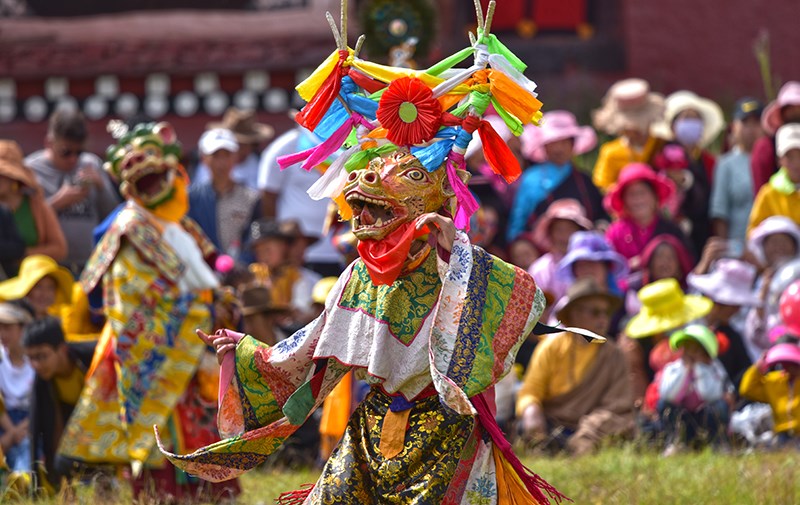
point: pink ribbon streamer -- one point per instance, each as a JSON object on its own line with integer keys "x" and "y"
{"x": 228, "y": 366}
{"x": 316, "y": 155}
{"x": 466, "y": 205}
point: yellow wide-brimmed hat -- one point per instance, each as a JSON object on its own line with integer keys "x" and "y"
{"x": 665, "y": 307}
{"x": 33, "y": 269}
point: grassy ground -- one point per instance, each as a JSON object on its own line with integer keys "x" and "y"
{"x": 615, "y": 476}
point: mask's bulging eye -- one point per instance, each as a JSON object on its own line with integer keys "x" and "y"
{"x": 415, "y": 175}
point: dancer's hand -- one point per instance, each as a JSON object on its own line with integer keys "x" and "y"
{"x": 441, "y": 227}
{"x": 222, "y": 343}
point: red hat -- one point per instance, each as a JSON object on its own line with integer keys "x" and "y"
{"x": 634, "y": 172}
{"x": 567, "y": 209}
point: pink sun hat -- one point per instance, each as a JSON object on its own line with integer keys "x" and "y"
{"x": 788, "y": 95}
{"x": 663, "y": 187}
{"x": 783, "y": 353}
{"x": 556, "y": 125}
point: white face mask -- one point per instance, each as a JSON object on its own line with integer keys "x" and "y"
{"x": 688, "y": 131}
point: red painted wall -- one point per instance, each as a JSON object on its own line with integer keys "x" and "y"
{"x": 707, "y": 45}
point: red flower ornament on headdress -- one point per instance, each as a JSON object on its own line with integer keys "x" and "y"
{"x": 409, "y": 112}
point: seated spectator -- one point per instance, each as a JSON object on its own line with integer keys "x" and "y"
{"x": 552, "y": 234}
{"x": 16, "y": 382}
{"x": 36, "y": 222}
{"x": 732, "y": 192}
{"x": 693, "y": 391}
{"x": 637, "y": 199}
{"x": 73, "y": 183}
{"x": 692, "y": 123}
{"x": 773, "y": 243}
{"x": 261, "y": 316}
{"x": 221, "y": 206}
{"x": 665, "y": 308}
{"x": 576, "y": 391}
{"x": 783, "y": 110}
{"x": 780, "y": 197}
{"x": 554, "y": 176}
{"x": 779, "y": 387}
{"x": 60, "y": 370}
{"x": 590, "y": 256}
{"x": 730, "y": 287}
{"x": 629, "y": 110}
{"x": 250, "y": 136}
{"x": 522, "y": 251}
{"x": 42, "y": 283}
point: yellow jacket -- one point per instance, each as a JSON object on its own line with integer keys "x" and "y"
{"x": 774, "y": 388}
{"x": 613, "y": 157}
{"x": 776, "y": 198}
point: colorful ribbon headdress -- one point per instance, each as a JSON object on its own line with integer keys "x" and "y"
{"x": 371, "y": 109}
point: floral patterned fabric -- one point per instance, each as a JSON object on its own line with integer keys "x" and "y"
{"x": 484, "y": 309}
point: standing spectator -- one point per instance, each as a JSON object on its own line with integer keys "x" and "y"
{"x": 784, "y": 110}
{"x": 250, "y": 135}
{"x": 16, "y": 382}
{"x": 629, "y": 110}
{"x": 60, "y": 370}
{"x": 73, "y": 184}
{"x": 552, "y": 234}
{"x": 693, "y": 391}
{"x": 221, "y": 206}
{"x": 35, "y": 221}
{"x": 637, "y": 199}
{"x": 732, "y": 191}
{"x": 284, "y": 197}
{"x": 576, "y": 388}
{"x": 781, "y": 197}
{"x": 554, "y": 175}
{"x": 42, "y": 283}
{"x": 730, "y": 287}
{"x": 692, "y": 123}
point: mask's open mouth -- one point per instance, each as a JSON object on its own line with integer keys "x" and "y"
{"x": 371, "y": 213}
{"x": 153, "y": 182}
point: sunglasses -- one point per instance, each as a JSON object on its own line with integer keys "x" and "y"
{"x": 67, "y": 152}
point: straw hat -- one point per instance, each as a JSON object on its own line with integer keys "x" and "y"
{"x": 244, "y": 126}
{"x": 698, "y": 333}
{"x": 567, "y": 209}
{"x": 789, "y": 94}
{"x": 257, "y": 299}
{"x": 713, "y": 118}
{"x": 783, "y": 353}
{"x": 12, "y": 165}
{"x": 581, "y": 290}
{"x": 556, "y": 125}
{"x": 33, "y": 269}
{"x": 628, "y": 104}
{"x": 634, "y": 172}
{"x": 665, "y": 307}
{"x": 730, "y": 283}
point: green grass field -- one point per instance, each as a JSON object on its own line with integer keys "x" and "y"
{"x": 615, "y": 476}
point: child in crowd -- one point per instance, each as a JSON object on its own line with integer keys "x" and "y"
{"x": 16, "y": 381}
{"x": 693, "y": 390}
{"x": 780, "y": 196}
{"x": 785, "y": 109}
{"x": 42, "y": 283}
{"x": 522, "y": 251}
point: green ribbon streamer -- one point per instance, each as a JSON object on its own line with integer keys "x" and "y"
{"x": 450, "y": 61}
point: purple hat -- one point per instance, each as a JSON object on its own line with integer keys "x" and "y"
{"x": 783, "y": 353}
{"x": 590, "y": 246}
{"x": 771, "y": 226}
{"x": 731, "y": 283}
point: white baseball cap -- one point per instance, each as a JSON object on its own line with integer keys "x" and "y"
{"x": 787, "y": 138}
{"x": 218, "y": 138}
